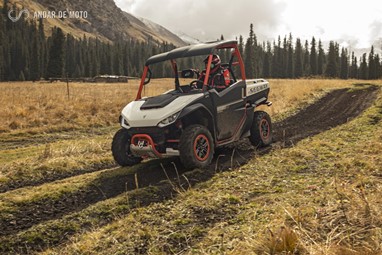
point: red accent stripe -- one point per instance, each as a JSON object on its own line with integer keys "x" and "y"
{"x": 139, "y": 94}
{"x": 205, "y": 83}
{"x": 173, "y": 141}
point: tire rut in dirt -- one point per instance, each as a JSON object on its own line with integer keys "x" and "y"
{"x": 105, "y": 187}
{"x": 17, "y": 184}
{"x": 334, "y": 109}
{"x": 178, "y": 182}
{"x": 9, "y": 141}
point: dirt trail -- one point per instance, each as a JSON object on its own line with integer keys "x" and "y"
{"x": 334, "y": 109}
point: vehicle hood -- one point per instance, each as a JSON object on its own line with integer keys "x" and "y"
{"x": 137, "y": 117}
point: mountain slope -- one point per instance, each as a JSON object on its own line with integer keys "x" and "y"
{"x": 154, "y": 29}
{"x": 104, "y": 20}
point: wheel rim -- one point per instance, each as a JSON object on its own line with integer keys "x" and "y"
{"x": 202, "y": 147}
{"x": 264, "y": 129}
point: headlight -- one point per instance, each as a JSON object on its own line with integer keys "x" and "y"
{"x": 124, "y": 122}
{"x": 169, "y": 120}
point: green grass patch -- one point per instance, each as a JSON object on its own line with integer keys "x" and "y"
{"x": 54, "y": 160}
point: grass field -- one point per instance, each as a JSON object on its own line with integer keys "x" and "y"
{"x": 46, "y": 107}
{"x": 321, "y": 196}
{"x": 46, "y": 135}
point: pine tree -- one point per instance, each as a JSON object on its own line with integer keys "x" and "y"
{"x": 79, "y": 59}
{"x": 372, "y": 68}
{"x": 299, "y": 70}
{"x": 313, "y": 57}
{"x": 35, "y": 67}
{"x": 70, "y": 60}
{"x": 118, "y": 64}
{"x": 241, "y": 45}
{"x": 277, "y": 59}
{"x": 344, "y": 70}
{"x": 43, "y": 49}
{"x": 267, "y": 61}
{"x": 284, "y": 58}
{"x": 56, "y": 54}
{"x": 332, "y": 67}
{"x": 353, "y": 67}
{"x": 363, "y": 70}
{"x": 249, "y": 55}
{"x": 320, "y": 59}
{"x": 2, "y": 70}
{"x": 290, "y": 66}
{"x": 307, "y": 71}
{"x": 378, "y": 67}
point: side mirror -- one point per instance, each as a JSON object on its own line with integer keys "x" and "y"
{"x": 188, "y": 73}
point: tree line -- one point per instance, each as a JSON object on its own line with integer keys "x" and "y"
{"x": 295, "y": 59}
{"x": 26, "y": 53}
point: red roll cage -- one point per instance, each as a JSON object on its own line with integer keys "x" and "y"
{"x": 190, "y": 51}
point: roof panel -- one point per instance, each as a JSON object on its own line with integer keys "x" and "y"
{"x": 190, "y": 51}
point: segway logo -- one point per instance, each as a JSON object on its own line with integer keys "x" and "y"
{"x": 257, "y": 88}
{"x": 141, "y": 144}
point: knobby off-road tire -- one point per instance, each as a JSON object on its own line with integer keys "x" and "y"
{"x": 261, "y": 130}
{"x": 120, "y": 148}
{"x": 196, "y": 147}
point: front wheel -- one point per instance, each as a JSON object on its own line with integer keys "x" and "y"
{"x": 261, "y": 130}
{"x": 121, "y": 149}
{"x": 196, "y": 147}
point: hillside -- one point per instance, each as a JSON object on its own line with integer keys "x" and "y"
{"x": 105, "y": 21}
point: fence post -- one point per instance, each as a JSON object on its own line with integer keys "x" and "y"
{"x": 67, "y": 85}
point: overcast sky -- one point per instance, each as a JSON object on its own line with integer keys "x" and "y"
{"x": 354, "y": 23}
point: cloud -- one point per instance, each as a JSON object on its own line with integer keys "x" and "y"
{"x": 126, "y": 5}
{"x": 208, "y": 20}
{"x": 376, "y": 32}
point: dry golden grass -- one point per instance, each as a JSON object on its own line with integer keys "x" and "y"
{"x": 30, "y": 110}
{"x": 46, "y": 107}
{"x": 30, "y": 105}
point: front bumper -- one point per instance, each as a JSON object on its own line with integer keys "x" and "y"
{"x": 143, "y": 145}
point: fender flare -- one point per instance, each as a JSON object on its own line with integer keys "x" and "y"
{"x": 192, "y": 108}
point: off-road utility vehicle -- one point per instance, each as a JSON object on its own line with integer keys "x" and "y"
{"x": 191, "y": 121}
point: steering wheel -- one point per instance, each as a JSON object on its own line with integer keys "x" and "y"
{"x": 196, "y": 84}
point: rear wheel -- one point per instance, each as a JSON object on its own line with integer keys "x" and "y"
{"x": 196, "y": 147}
{"x": 121, "y": 149}
{"x": 261, "y": 130}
